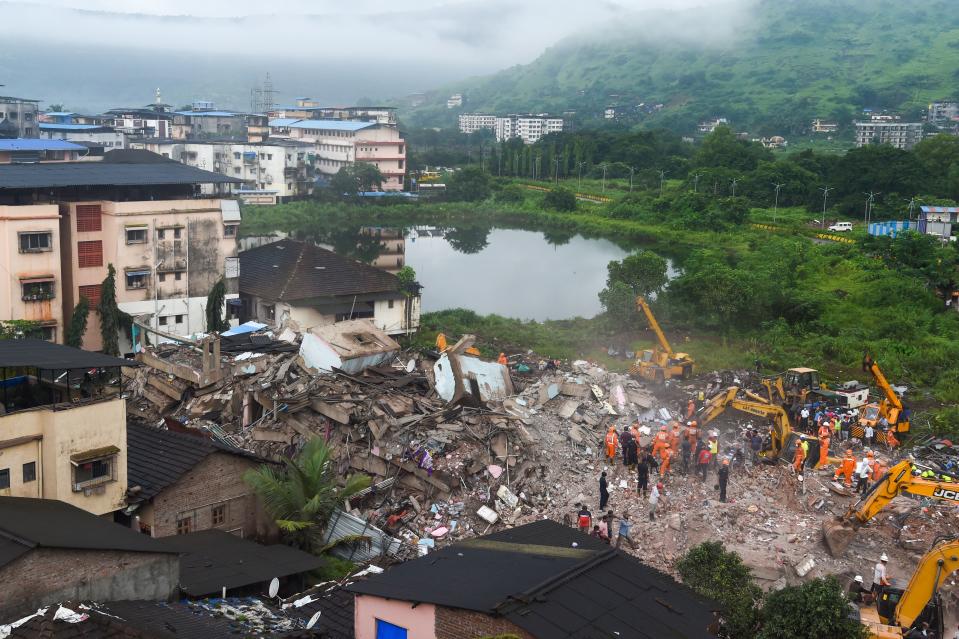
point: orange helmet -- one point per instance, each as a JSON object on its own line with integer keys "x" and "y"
{"x": 725, "y": 462}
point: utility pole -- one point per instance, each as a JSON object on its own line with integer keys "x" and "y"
{"x": 555, "y": 170}
{"x": 825, "y": 196}
{"x": 734, "y": 182}
{"x": 581, "y": 165}
{"x": 912, "y": 208}
{"x": 776, "y": 204}
{"x": 870, "y": 200}
{"x": 662, "y": 180}
{"x": 604, "y": 176}
{"x": 631, "y": 172}
{"x": 696, "y": 182}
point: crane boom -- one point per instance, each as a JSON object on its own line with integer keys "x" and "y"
{"x": 653, "y": 324}
{"x": 781, "y": 430}
{"x": 869, "y": 364}
{"x": 937, "y": 565}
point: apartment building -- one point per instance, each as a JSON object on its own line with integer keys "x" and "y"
{"x": 942, "y": 113}
{"x": 105, "y": 136}
{"x": 528, "y": 128}
{"x": 822, "y": 126}
{"x": 168, "y": 245}
{"x": 143, "y": 122}
{"x": 709, "y": 126}
{"x": 38, "y": 150}
{"x": 63, "y": 425}
{"x": 454, "y": 101}
{"x": 307, "y": 108}
{"x": 339, "y": 143}
{"x": 283, "y": 167}
{"x": 18, "y": 117}
{"x": 888, "y": 130}
{"x": 190, "y": 125}
{"x": 473, "y": 122}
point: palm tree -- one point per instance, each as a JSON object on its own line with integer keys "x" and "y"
{"x": 302, "y": 496}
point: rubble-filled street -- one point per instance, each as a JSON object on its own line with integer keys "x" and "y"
{"x": 513, "y": 444}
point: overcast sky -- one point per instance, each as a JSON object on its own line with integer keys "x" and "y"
{"x": 482, "y": 35}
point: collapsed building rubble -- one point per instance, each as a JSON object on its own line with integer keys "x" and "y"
{"x": 458, "y": 446}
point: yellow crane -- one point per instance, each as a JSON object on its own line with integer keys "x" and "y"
{"x": 660, "y": 363}
{"x": 890, "y": 406}
{"x": 897, "y": 610}
{"x": 900, "y": 480}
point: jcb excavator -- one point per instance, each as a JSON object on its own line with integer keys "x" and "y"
{"x": 793, "y": 385}
{"x": 660, "y": 363}
{"x": 898, "y": 610}
{"x": 782, "y": 439}
{"x": 890, "y": 406}
{"x": 898, "y": 481}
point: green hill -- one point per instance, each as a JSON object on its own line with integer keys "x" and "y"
{"x": 769, "y": 66}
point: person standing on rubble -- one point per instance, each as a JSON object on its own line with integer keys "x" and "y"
{"x": 703, "y": 461}
{"x": 714, "y": 449}
{"x": 624, "y": 528}
{"x": 654, "y": 501}
{"x": 847, "y": 467}
{"x": 756, "y": 446}
{"x": 631, "y": 451}
{"x": 584, "y": 519}
{"x": 642, "y": 476}
{"x": 723, "y": 480}
{"x": 804, "y": 414}
{"x": 799, "y": 458}
{"x": 623, "y": 437}
{"x": 690, "y": 409}
{"x": 603, "y": 491}
{"x": 611, "y": 440}
{"x": 863, "y": 470}
{"x": 869, "y": 435}
{"x": 686, "y": 450}
{"x": 502, "y": 359}
{"x": 879, "y": 578}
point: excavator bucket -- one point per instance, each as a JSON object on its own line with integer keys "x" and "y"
{"x": 838, "y": 535}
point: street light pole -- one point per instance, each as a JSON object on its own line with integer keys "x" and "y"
{"x": 581, "y": 165}
{"x": 662, "y": 179}
{"x": 735, "y": 181}
{"x": 631, "y": 171}
{"x": 696, "y": 182}
{"x": 555, "y": 170}
{"x": 776, "y": 204}
{"x": 604, "y": 176}
{"x": 825, "y": 196}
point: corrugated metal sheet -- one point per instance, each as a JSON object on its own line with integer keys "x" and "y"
{"x": 343, "y": 524}
{"x": 230, "y": 210}
{"x": 64, "y": 174}
{"x": 891, "y": 228}
{"x": 22, "y": 144}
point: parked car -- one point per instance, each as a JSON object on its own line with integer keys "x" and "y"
{"x": 841, "y": 227}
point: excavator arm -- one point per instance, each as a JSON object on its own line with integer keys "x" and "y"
{"x": 897, "y": 481}
{"x": 934, "y": 568}
{"x": 892, "y": 406}
{"x": 643, "y": 305}
{"x": 729, "y": 399}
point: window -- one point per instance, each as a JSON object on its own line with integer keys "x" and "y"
{"x": 34, "y": 290}
{"x": 90, "y": 253}
{"x": 161, "y": 277}
{"x": 270, "y": 310}
{"x": 88, "y": 218}
{"x": 36, "y": 242}
{"x": 92, "y": 293}
{"x": 29, "y": 472}
{"x": 177, "y": 319}
{"x": 219, "y": 515}
{"x": 387, "y": 630}
{"x": 137, "y": 279}
{"x": 48, "y": 333}
{"x": 176, "y": 233}
{"x": 4, "y": 478}
{"x": 163, "y": 319}
{"x": 229, "y": 230}
{"x": 236, "y": 156}
{"x": 161, "y": 234}
{"x": 236, "y": 170}
{"x": 137, "y": 236}
{"x": 184, "y": 525}
{"x": 93, "y": 472}
{"x": 389, "y": 304}
{"x": 178, "y": 276}
{"x": 12, "y": 115}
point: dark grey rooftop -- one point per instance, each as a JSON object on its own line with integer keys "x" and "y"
{"x": 37, "y": 353}
{"x": 68, "y": 174}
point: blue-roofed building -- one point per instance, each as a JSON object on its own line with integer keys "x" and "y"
{"x": 24, "y": 150}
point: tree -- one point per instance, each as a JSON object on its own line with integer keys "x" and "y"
{"x": 468, "y": 239}
{"x": 215, "y": 323}
{"x": 560, "y": 199}
{"x": 78, "y": 323}
{"x": 470, "y": 184}
{"x": 619, "y": 302}
{"x": 18, "y": 329}
{"x": 355, "y": 178}
{"x": 713, "y": 572}
{"x": 644, "y": 272}
{"x": 58, "y": 107}
{"x": 112, "y": 319}
{"x": 814, "y": 610}
{"x": 302, "y": 496}
{"x": 511, "y": 194}
{"x": 722, "y": 148}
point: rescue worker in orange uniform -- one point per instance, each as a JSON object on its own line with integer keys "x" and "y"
{"x": 798, "y": 459}
{"x": 690, "y": 409}
{"x": 666, "y": 455}
{"x": 502, "y": 359}
{"x": 661, "y": 440}
{"x": 847, "y": 468}
{"x": 674, "y": 437}
{"x": 612, "y": 440}
{"x": 440, "y": 342}
{"x": 891, "y": 440}
{"x": 878, "y": 470}
{"x": 824, "y": 430}
{"x": 823, "y": 451}
{"x": 692, "y": 433}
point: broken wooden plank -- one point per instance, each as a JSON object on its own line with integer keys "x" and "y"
{"x": 334, "y": 412}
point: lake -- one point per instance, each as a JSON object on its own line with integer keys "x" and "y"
{"x": 509, "y": 272}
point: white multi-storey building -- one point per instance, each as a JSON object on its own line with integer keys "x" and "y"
{"x": 339, "y": 143}
{"x": 528, "y": 128}
{"x": 473, "y": 122}
{"x": 902, "y": 135}
{"x": 454, "y": 101}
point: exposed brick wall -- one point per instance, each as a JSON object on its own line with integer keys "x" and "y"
{"x": 51, "y": 575}
{"x": 217, "y": 480}
{"x": 455, "y": 623}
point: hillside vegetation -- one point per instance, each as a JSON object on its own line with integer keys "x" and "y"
{"x": 768, "y": 65}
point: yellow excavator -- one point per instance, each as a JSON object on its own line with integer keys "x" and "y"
{"x": 898, "y": 610}
{"x": 793, "y": 385}
{"x": 660, "y": 363}
{"x": 900, "y": 480}
{"x": 782, "y": 439}
{"x": 890, "y": 406}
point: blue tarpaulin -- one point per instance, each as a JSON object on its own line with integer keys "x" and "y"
{"x": 248, "y": 327}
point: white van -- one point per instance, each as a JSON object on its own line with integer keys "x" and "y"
{"x": 841, "y": 227}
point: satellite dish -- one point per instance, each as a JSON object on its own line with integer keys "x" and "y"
{"x": 274, "y": 587}
{"x": 313, "y": 620}
{"x": 410, "y": 365}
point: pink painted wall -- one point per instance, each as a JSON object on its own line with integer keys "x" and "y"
{"x": 419, "y": 621}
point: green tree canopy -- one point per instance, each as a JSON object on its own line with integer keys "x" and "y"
{"x": 814, "y": 610}
{"x": 215, "y": 322}
{"x": 560, "y": 199}
{"x": 355, "y": 178}
{"x": 713, "y": 572}
{"x": 644, "y": 272}
{"x": 112, "y": 319}
{"x": 469, "y": 184}
{"x": 723, "y": 148}
{"x": 78, "y": 323}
